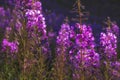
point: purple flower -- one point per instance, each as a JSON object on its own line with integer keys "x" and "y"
{"x": 108, "y": 43}
{"x": 12, "y": 47}
{"x": 115, "y": 69}
{"x": 72, "y": 33}
{"x": 80, "y": 40}
{"x": 5, "y": 42}
{"x": 63, "y": 37}
{"x": 115, "y": 29}
{"x": 35, "y": 19}
{"x": 2, "y": 11}
{"x": 37, "y": 5}
{"x": 83, "y": 52}
{"x": 85, "y": 38}
{"x": 87, "y": 58}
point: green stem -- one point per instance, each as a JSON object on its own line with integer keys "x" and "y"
{"x": 107, "y": 71}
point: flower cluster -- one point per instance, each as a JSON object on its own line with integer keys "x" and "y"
{"x": 84, "y": 43}
{"x": 35, "y": 19}
{"x": 108, "y": 42}
{"x": 85, "y": 39}
{"x": 11, "y": 46}
{"x": 89, "y": 58}
{"x": 63, "y": 44}
{"x": 63, "y": 38}
{"x": 36, "y": 26}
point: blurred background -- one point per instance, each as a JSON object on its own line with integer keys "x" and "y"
{"x": 98, "y": 9}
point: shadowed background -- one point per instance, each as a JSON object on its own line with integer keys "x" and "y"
{"x": 98, "y": 9}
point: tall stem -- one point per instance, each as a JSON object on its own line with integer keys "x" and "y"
{"x": 79, "y": 10}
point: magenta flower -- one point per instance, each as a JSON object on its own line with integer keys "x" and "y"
{"x": 115, "y": 29}
{"x": 83, "y": 51}
{"x": 12, "y": 47}
{"x": 89, "y": 58}
{"x": 63, "y": 37}
{"x": 35, "y": 19}
{"x": 85, "y": 38}
{"x": 2, "y": 11}
{"x": 108, "y": 43}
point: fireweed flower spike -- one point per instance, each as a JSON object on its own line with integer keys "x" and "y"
{"x": 63, "y": 37}
{"x": 36, "y": 19}
{"x": 63, "y": 44}
{"x": 36, "y": 37}
{"x": 36, "y": 26}
{"x": 85, "y": 42}
{"x": 83, "y": 55}
{"x": 108, "y": 43}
